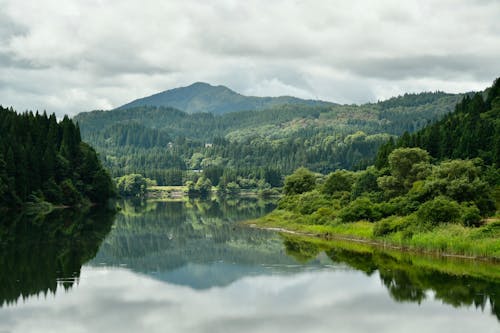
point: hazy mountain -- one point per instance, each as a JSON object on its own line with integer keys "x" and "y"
{"x": 203, "y": 97}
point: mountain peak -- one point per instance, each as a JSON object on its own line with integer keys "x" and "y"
{"x": 204, "y": 97}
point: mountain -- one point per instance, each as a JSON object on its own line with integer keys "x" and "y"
{"x": 161, "y": 142}
{"x": 203, "y": 97}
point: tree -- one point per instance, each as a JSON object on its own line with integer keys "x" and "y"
{"x": 133, "y": 185}
{"x": 365, "y": 182}
{"x": 439, "y": 210}
{"x": 406, "y": 165}
{"x": 338, "y": 181}
{"x": 47, "y": 161}
{"x": 302, "y": 180}
{"x": 203, "y": 186}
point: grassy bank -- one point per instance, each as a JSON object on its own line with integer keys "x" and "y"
{"x": 447, "y": 239}
{"x": 308, "y": 247}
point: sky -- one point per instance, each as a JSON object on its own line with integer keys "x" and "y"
{"x": 72, "y": 56}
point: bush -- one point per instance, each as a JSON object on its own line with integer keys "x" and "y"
{"x": 365, "y": 183}
{"x": 324, "y": 215}
{"x": 337, "y": 181}
{"x": 360, "y": 209}
{"x": 470, "y": 216}
{"x": 133, "y": 185}
{"x": 439, "y": 210}
{"x": 305, "y": 203}
{"x": 310, "y": 202}
{"x": 302, "y": 180}
{"x": 391, "y": 224}
{"x": 404, "y": 205}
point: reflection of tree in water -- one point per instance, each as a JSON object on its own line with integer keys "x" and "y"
{"x": 37, "y": 253}
{"x": 302, "y": 251}
{"x": 405, "y": 280}
{"x": 167, "y": 235}
{"x": 362, "y": 261}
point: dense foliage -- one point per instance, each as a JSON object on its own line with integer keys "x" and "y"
{"x": 133, "y": 185}
{"x": 472, "y": 130}
{"x": 414, "y": 192}
{"x": 167, "y": 145}
{"x": 41, "y": 159}
{"x": 410, "y": 198}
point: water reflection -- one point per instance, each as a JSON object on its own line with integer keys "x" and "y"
{"x": 410, "y": 278}
{"x": 191, "y": 267}
{"x": 195, "y": 243}
{"x": 40, "y": 255}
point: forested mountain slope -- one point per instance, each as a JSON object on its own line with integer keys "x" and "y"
{"x": 154, "y": 140}
{"x": 203, "y": 97}
{"x": 472, "y": 130}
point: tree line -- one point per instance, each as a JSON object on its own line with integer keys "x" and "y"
{"x": 43, "y": 159}
{"x": 167, "y": 145}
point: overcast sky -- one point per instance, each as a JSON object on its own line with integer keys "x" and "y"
{"x": 71, "y": 56}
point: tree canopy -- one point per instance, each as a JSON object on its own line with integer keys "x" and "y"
{"x": 42, "y": 159}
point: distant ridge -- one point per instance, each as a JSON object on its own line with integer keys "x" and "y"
{"x": 203, "y": 97}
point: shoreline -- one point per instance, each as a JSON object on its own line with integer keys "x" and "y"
{"x": 373, "y": 242}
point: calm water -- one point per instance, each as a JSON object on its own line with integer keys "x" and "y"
{"x": 190, "y": 267}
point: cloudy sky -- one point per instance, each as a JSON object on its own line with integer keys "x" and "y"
{"x": 71, "y": 56}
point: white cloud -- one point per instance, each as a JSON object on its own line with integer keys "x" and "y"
{"x": 73, "y": 55}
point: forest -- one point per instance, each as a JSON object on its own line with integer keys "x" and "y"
{"x": 43, "y": 160}
{"x": 253, "y": 148}
{"x": 435, "y": 189}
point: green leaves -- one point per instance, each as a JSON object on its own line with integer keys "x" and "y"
{"x": 46, "y": 159}
{"x": 133, "y": 185}
{"x": 302, "y": 180}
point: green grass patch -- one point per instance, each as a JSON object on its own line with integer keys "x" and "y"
{"x": 450, "y": 239}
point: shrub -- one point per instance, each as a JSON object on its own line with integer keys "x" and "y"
{"x": 470, "y": 216}
{"x": 340, "y": 180}
{"x": 310, "y": 202}
{"x": 360, "y": 209}
{"x": 133, "y": 185}
{"x": 392, "y": 224}
{"x": 365, "y": 183}
{"x": 302, "y": 180}
{"x": 324, "y": 215}
{"x": 439, "y": 210}
{"x": 404, "y": 205}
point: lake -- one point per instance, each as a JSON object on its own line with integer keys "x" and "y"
{"x": 192, "y": 267}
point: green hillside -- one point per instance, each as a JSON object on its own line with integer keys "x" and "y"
{"x": 435, "y": 190}
{"x": 155, "y": 141}
{"x": 472, "y": 130}
{"x": 203, "y": 97}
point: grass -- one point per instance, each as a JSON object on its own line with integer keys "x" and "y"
{"x": 449, "y": 239}
{"x": 449, "y": 265}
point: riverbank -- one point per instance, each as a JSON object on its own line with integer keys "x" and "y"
{"x": 445, "y": 240}
{"x": 365, "y": 256}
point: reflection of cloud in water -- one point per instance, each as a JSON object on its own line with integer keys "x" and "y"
{"x": 115, "y": 299}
